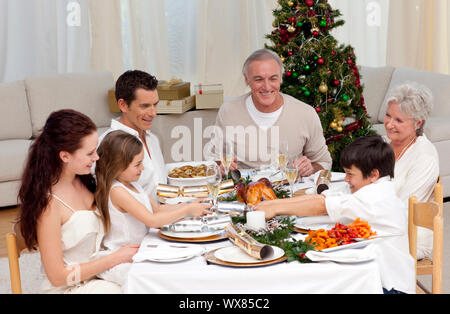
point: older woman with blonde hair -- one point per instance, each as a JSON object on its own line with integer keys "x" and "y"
{"x": 416, "y": 159}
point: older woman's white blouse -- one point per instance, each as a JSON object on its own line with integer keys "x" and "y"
{"x": 416, "y": 174}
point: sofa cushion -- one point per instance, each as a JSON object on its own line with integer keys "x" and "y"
{"x": 14, "y": 107}
{"x": 439, "y": 84}
{"x": 376, "y": 83}
{"x": 84, "y": 92}
{"x": 437, "y": 129}
{"x": 12, "y": 159}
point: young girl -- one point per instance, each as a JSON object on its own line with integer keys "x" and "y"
{"x": 58, "y": 211}
{"x": 131, "y": 210}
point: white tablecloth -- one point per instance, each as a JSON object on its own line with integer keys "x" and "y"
{"x": 195, "y": 276}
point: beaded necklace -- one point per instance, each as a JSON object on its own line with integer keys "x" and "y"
{"x": 405, "y": 148}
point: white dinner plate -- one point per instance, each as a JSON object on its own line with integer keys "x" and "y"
{"x": 355, "y": 245}
{"x": 233, "y": 254}
{"x": 190, "y": 235}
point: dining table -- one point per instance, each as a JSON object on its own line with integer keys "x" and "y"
{"x": 197, "y": 276}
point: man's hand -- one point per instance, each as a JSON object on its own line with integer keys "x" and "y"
{"x": 304, "y": 166}
{"x": 233, "y": 165}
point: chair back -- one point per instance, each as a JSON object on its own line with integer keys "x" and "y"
{"x": 427, "y": 215}
{"x": 15, "y": 244}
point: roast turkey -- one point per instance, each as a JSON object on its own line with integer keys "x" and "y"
{"x": 255, "y": 192}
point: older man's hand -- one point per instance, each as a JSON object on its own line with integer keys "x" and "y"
{"x": 304, "y": 166}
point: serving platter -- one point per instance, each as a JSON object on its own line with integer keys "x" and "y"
{"x": 356, "y": 245}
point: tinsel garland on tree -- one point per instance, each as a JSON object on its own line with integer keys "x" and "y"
{"x": 319, "y": 71}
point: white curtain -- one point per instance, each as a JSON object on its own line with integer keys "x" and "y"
{"x": 365, "y": 29}
{"x": 419, "y": 34}
{"x": 210, "y": 39}
{"x": 43, "y": 37}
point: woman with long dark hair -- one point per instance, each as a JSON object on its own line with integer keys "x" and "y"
{"x": 58, "y": 212}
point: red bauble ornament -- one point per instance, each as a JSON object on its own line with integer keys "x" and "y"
{"x": 288, "y": 73}
{"x": 318, "y": 109}
{"x": 290, "y": 53}
{"x": 336, "y": 82}
{"x": 292, "y": 19}
{"x": 309, "y": 3}
{"x": 349, "y": 62}
{"x": 321, "y": 61}
{"x": 315, "y": 33}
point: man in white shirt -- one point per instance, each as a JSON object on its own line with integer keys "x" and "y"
{"x": 369, "y": 166}
{"x": 137, "y": 98}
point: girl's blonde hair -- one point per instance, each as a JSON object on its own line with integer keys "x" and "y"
{"x": 116, "y": 152}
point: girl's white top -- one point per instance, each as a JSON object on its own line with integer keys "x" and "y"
{"x": 125, "y": 229}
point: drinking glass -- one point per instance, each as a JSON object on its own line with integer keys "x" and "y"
{"x": 291, "y": 172}
{"x": 227, "y": 157}
{"x": 213, "y": 181}
{"x": 283, "y": 155}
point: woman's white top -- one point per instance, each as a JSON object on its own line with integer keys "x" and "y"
{"x": 416, "y": 174}
{"x": 125, "y": 229}
{"x": 81, "y": 237}
{"x": 378, "y": 204}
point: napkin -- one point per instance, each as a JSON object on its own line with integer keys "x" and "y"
{"x": 345, "y": 255}
{"x": 166, "y": 252}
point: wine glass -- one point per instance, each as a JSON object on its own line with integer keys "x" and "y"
{"x": 283, "y": 155}
{"x": 213, "y": 181}
{"x": 291, "y": 172}
{"x": 227, "y": 157}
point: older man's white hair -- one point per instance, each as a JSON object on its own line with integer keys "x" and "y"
{"x": 263, "y": 54}
{"x": 415, "y": 100}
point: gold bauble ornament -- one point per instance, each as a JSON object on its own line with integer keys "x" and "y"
{"x": 340, "y": 129}
{"x": 323, "y": 88}
{"x": 291, "y": 3}
{"x": 291, "y": 29}
{"x": 333, "y": 125}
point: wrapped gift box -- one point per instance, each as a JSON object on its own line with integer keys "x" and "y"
{"x": 113, "y": 107}
{"x": 208, "y": 96}
{"x": 173, "y": 90}
{"x": 176, "y": 106}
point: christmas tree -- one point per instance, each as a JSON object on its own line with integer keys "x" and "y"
{"x": 319, "y": 71}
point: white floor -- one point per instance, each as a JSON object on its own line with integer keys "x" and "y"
{"x": 30, "y": 265}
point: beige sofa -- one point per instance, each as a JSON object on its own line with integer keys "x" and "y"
{"x": 27, "y": 104}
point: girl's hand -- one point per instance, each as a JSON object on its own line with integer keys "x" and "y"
{"x": 125, "y": 254}
{"x": 198, "y": 209}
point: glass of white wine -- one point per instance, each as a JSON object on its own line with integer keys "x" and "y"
{"x": 227, "y": 157}
{"x": 213, "y": 181}
{"x": 291, "y": 172}
{"x": 283, "y": 155}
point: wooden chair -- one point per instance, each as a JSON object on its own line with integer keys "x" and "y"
{"x": 15, "y": 245}
{"x": 428, "y": 215}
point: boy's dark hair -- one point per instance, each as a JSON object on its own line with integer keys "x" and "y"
{"x": 369, "y": 153}
{"x": 130, "y": 81}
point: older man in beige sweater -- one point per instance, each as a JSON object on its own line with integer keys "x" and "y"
{"x": 256, "y": 123}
